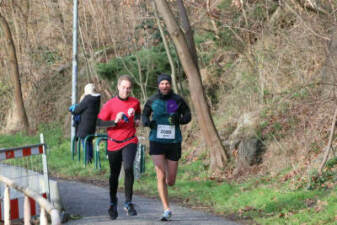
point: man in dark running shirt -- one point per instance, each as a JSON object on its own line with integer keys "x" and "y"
{"x": 168, "y": 111}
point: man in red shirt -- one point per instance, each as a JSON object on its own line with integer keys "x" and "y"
{"x": 122, "y": 115}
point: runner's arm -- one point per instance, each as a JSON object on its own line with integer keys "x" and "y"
{"x": 146, "y": 114}
{"x": 185, "y": 113}
{"x": 138, "y": 112}
{"x": 102, "y": 123}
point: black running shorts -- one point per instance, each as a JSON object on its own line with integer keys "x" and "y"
{"x": 172, "y": 151}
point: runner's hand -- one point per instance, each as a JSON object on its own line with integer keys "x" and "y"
{"x": 153, "y": 124}
{"x": 119, "y": 117}
{"x": 125, "y": 118}
{"x": 173, "y": 119}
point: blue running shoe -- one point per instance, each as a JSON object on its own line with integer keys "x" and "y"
{"x": 166, "y": 215}
{"x": 130, "y": 209}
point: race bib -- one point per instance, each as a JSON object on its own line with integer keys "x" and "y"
{"x": 166, "y": 131}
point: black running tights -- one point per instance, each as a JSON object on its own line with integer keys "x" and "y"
{"x": 127, "y": 155}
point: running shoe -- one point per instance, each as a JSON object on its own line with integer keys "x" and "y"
{"x": 113, "y": 213}
{"x": 166, "y": 215}
{"x": 130, "y": 209}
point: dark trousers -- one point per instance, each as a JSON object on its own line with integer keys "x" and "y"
{"x": 127, "y": 155}
{"x": 90, "y": 147}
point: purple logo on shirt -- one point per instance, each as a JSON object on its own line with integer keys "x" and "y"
{"x": 172, "y": 106}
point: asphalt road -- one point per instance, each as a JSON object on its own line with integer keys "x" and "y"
{"x": 92, "y": 202}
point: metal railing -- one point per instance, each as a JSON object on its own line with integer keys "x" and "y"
{"x": 45, "y": 205}
{"x": 139, "y": 164}
{"x": 76, "y": 148}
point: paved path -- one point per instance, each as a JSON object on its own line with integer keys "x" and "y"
{"x": 91, "y": 202}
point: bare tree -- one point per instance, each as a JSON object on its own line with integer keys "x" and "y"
{"x": 169, "y": 57}
{"x": 187, "y": 29}
{"x": 20, "y": 111}
{"x": 218, "y": 157}
{"x": 329, "y": 147}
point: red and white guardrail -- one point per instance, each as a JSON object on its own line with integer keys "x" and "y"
{"x": 17, "y": 208}
{"x": 21, "y": 152}
{"x": 17, "y": 204}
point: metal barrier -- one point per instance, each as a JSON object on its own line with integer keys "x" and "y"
{"x": 97, "y": 156}
{"x": 24, "y": 206}
{"x": 139, "y": 163}
{"x": 30, "y": 198}
{"x": 139, "y": 166}
{"x": 99, "y": 138}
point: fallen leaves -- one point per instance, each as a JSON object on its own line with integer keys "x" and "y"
{"x": 285, "y": 215}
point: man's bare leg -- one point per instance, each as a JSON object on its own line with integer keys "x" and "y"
{"x": 172, "y": 168}
{"x": 160, "y": 164}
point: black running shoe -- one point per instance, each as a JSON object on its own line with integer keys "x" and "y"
{"x": 130, "y": 209}
{"x": 113, "y": 213}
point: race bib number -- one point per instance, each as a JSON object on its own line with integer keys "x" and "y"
{"x": 166, "y": 131}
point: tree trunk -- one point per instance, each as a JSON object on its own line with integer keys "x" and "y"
{"x": 20, "y": 108}
{"x": 142, "y": 84}
{"x": 185, "y": 23}
{"x": 328, "y": 148}
{"x": 218, "y": 157}
{"x": 167, "y": 49}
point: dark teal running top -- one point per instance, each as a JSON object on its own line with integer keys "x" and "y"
{"x": 161, "y": 107}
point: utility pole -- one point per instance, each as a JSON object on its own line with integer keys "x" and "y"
{"x": 74, "y": 68}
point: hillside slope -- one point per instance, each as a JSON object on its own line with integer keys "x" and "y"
{"x": 263, "y": 61}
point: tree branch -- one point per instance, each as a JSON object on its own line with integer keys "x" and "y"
{"x": 327, "y": 151}
{"x": 305, "y": 24}
{"x": 312, "y": 7}
{"x": 167, "y": 49}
